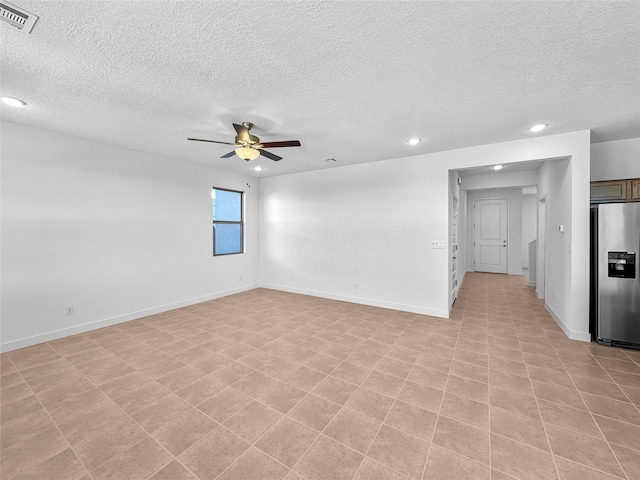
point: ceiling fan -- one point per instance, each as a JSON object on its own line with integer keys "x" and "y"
{"x": 249, "y": 147}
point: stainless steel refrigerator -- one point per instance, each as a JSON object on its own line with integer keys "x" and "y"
{"x": 615, "y": 275}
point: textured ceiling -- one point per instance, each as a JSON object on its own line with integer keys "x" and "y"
{"x": 350, "y": 80}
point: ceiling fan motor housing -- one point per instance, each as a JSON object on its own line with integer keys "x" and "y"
{"x": 242, "y": 140}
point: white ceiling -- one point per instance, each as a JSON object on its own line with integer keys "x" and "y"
{"x": 350, "y": 80}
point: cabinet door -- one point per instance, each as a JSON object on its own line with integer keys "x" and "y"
{"x": 635, "y": 189}
{"x": 610, "y": 191}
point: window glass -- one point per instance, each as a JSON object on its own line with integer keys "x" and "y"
{"x": 228, "y": 223}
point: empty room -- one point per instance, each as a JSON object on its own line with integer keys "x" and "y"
{"x": 319, "y": 240}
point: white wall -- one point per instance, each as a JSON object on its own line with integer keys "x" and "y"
{"x": 615, "y": 160}
{"x": 374, "y": 223}
{"x": 116, "y": 233}
{"x": 514, "y": 226}
{"x": 529, "y": 231}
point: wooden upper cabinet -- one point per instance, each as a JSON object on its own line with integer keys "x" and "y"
{"x": 610, "y": 191}
{"x": 635, "y": 189}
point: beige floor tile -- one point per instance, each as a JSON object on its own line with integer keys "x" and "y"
{"x": 314, "y": 412}
{"x": 224, "y": 404}
{"x": 428, "y": 376}
{"x": 570, "y": 418}
{"x": 557, "y": 394}
{"x": 632, "y": 394}
{"x": 305, "y": 378}
{"x": 136, "y": 463}
{"x": 521, "y": 461}
{"x": 621, "y": 378}
{"x": 629, "y": 460}
{"x": 287, "y": 441}
{"x": 141, "y": 397}
{"x": 353, "y": 429}
{"x": 476, "y": 373}
{"x": 180, "y": 378}
{"x": 252, "y": 421}
{"x": 623, "y": 411}
{"x": 209, "y": 457}
{"x": 197, "y": 392}
{"x": 422, "y": 396}
{"x": 282, "y": 397}
{"x": 569, "y": 470}
{"x": 231, "y": 372}
{"x": 255, "y": 465}
{"x": 464, "y": 387}
{"x": 618, "y": 432}
{"x": 173, "y": 471}
{"x": 350, "y": 372}
{"x": 399, "y": 451}
{"x": 25, "y": 426}
{"x": 464, "y": 439}
{"x": 254, "y": 384}
{"x": 184, "y": 431}
{"x": 445, "y": 465}
{"x": 597, "y": 387}
{"x": 412, "y": 419}
{"x": 65, "y": 465}
{"x": 323, "y": 363}
{"x": 582, "y": 449}
{"x": 465, "y": 410}
{"x": 383, "y": 383}
{"x": 77, "y": 405}
{"x": 370, "y": 403}
{"x": 372, "y": 470}
{"x": 519, "y": 428}
{"x": 26, "y": 454}
{"x": 158, "y": 414}
{"x": 334, "y": 389}
{"x": 326, "y": 459}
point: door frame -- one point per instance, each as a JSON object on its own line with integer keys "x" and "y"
{"x": 541, "y": 270}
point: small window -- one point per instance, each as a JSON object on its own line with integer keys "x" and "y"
{"x": 228, "y": 224}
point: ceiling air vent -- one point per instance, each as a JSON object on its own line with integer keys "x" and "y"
{"x": 17, "y": 17}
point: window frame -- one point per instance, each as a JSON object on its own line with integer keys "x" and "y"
{"x": 228, "y": 222}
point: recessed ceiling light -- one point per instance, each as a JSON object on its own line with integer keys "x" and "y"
{"x": 414, "y": 141}
{"x": 14, "y": 102}
{"x": 258, "y": 168}
{"x": 497, "y": 168}
{"x": 539, "y": 127}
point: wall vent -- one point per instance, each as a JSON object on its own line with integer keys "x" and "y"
{"x": 17, "y": 17}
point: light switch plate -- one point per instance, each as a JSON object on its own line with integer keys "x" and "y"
{"x": 438, "y": 244}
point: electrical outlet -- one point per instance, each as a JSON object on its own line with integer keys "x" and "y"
{"x": 356, "y": 286}
{"x": 68, "y": 310}
{"x": 239, "y": 278}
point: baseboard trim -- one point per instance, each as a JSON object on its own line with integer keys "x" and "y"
{"x": 581, "y": 336}
{"x": 361, "y": 301}
{"x": 107, "y": 322}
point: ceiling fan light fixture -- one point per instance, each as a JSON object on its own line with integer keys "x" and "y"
{"x": 247, "y": 153}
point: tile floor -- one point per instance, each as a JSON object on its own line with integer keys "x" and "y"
{"x": 269, "y": 385}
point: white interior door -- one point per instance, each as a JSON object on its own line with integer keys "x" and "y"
{"x": 490, "y": 235}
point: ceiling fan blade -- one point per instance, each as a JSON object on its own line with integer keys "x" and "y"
{"x": 242, "y": 131}
{"x": 289, "y": 143}
{"x": 209, "y": 141}
{"x": 229, "y": 155}
{"x": 270, "y": 155}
